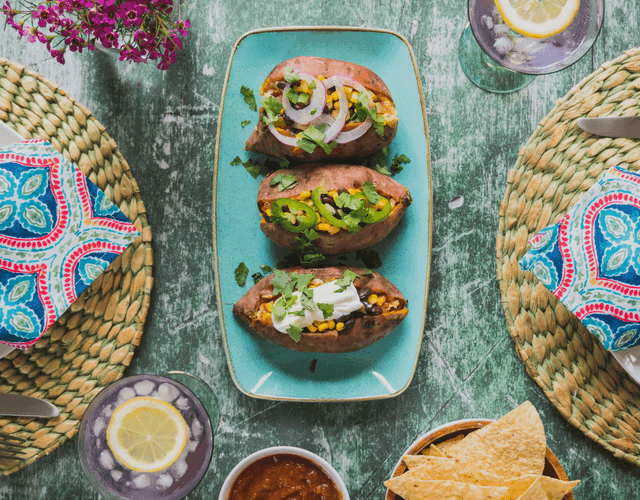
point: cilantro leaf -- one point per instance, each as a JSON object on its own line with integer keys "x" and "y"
{"x": 347, "y": 279}
{"x": 290, "y": 76}
{"x": 245, "y": 123}
{"x": 349, "y": 201}
{"x": 295, "y": 332}
{"x": 370, "y": 192}
{"x": 327, "y": 310}
{"x": 312, "y": 85}
{"x": 306, "y": 299}
{"x": 249, "y": 98}
{"x": 307, "y": 250}
{"x": 241, "y": 273}
{"x": 236, "y": 161}
{"x": 370, "y": 110}
{"x": 278, "y": 309}
{"x": 280, "y": 279}
{"x": 297, "y": 98}
{"x": 301, "y": 280}
{"x": 306, "y": 145}
{"x": 316, "y": 135}
{"x": 256, "y": 278}
{"x": 285, "y": 181}
{"x": 311, "y": 234}
{"x": 265, "y": 269}
{"x": 299, "y": 312}
{"x": 397, "y": 162}
{"x": 272, "y": 108}
{"x": 283, "y": 162}
{"x": 252, "y": 167}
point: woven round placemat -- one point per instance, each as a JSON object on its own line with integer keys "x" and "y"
{"x": 93, "y": 342}
{"x": 554, "y": 169}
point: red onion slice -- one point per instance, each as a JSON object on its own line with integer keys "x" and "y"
{"x": 336, "y": 127}
{"x": 284, "y": 139}
{"x": 309, "y": 113}
{"x": 356, "y": 133}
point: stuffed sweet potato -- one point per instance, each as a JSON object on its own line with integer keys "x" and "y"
{"x": 349, "y": 207}
{"x": 336, "y": 309}
{"x": 315, "y": 108}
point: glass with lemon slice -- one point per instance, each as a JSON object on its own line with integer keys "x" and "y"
{"x": 525, "y": 38}
{"x": 145, "y": 437}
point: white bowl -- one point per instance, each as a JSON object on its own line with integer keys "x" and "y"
{"x": 290, "y": 450}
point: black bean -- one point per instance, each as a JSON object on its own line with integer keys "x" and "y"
{"x": 357, "y": 314}
{"x": 288, "y": 121}
{"x": 326, "y": 111}
{"x": 344, "y": 318}
{"x": 299, "y": 105}
{"x": 349, "y": 324}
{"x": 342, "y": 190}
{"x": 376, "y": 310}
{"x": 363, "y": 293}
{"x": 281, "y": 85}
{"x": 368, "y": 307}
{"x": 346, "y": 210}
{"x": 284, "y": 208}
{"x": 325, "y": 198}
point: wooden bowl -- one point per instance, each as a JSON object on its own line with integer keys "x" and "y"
{"x": 552, "y": 467}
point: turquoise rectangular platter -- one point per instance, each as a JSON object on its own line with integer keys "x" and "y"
{"x": 263, "y": 370}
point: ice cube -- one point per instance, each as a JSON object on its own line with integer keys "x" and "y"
{"x": 503, "y": 45}
{"x": 168, "y": 392}
{"x": 98, "y": 426}
{"x": 126, "y": 394}
{"x": 179, "y": 469}
{"x": 108, "y": 410}
{"x": 182, "y": 403}
{"x": 196, "y": 427}
{"x": 141, "y": 481}
{"x": 191, "y": 446}
{"x": 501, "y": 29}
{"x": 488, "y": 22}
{"x": 144, "y": 387}
{"x": 164, "y": 481}
{"x": 528, "y": 46}
{"x": 106, "y": 460}
{"x": 98, "y": 443}
{"x": 116, "y": 475}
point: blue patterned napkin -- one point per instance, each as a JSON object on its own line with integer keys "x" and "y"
{"x": 590, "y": 260}
{"x": 58, "y": 232}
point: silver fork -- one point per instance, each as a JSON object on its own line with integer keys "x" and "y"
{"x": 11, "y": 447}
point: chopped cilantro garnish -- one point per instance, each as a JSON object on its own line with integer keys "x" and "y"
{"x": 349, "y": 201}
{"x": 311, "y": 234}
{"x": 363, "y": 110}
{"x": 265, "y": 269}
{"x": 272, "y": 108}
{"x": 249, "y": 98}
{"x": 295, "y": 332}
{"x": 397, "y": 162}
{"x": 313, "y": 112}
{"x": 327, "y": 309}
{"x": 306, "y": 145}
{"x": 278, "y": 309}
{"x": 306, "y": 299}
{"x": 252, "y": 167}
{"x": 236, "y": 161}
{"x": 241, "y": 273}
{"x": 316, "y": 135}
{"x": 307, "y": 250}
{"x": 284, "y": 181}
{"x": 280, "y": 279}
{"x": 256, "y": 277}
{"x": 295, "y": 98}
{"x": 370, "y": 192}
{"x": 347, "y": 279}
{"x": 378, "y": 161}
{"x": 290, "y": 76}
{"x": 245, "y": 123}
{"x": 312, "y": 85}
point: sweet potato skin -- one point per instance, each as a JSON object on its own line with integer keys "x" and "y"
{"x": 334, "y": 177}
{"x": 262, "y": 140}
{"x": 331, "y": 341}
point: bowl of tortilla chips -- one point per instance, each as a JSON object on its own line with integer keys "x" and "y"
{"x": 481, "y": 459}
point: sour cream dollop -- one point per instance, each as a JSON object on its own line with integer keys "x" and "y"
{"x": 343, "y": 303}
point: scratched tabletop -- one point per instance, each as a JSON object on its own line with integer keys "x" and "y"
{"x": 165, "y": 125}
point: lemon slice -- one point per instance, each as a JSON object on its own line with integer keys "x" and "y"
{"x": 538, "y": 18}
{"x": 146, "y": 434}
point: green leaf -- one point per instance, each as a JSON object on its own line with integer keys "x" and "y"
{"x": 301, "y": 280}
{"x": 327, "y": 309}
{"x": 278, "y": 309}
{"x": 295, "y": 332}
{"x": 370, "y": 192}
{"x": 256, "y": 278}
{"x": 241, "y": 273}
{"x": 272, "y": 108}
{"x": 306, "y": 145}
{"x": 299, "y": 312}
{"x": 236, "y": 161}
{"x": 366, "y": 109}
{"x": 290, "y": 76}
{"x": 285, "y": 181}
{"x": 347, "y": 279}
{"x": 397, "y": 162}
{"x": 265, "y": 269}
{"x": 249, "y": 98}
{"x": 297, "y": 98}
{"x": 311, "y": 234}
{"x": 312, "y": 85}
{"x": 252, "y": 167}
{"x": 349, "y": 201}
{"x": 317, "y": 136}
{"x": 245, "y": 123}
{"x": 280, "y": 279}
{"x": 306, "y": 301}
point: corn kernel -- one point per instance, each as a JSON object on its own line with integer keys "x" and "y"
{"x": 333, "y": 230}
{"x": 323, "y": 326}
{"x": 373, "y": 299}
{"x": 322, "y": 78}
{"x": 304, "y": 195}
{"x": 323, "y": 226}
{"x": 268, "y": 212}
{"x": 332, "y": 324}
{"x": 381, "y": 300}
{"x": 334, "y": 95}
{"x": 340, "y": 326}
{"x": 336, "y": 105}
{"x": 267, "y": 306}
{"x": 353, "y": 191}
{"x": 380, "y": 205}
{"x": 333, "y": 192}
{"x": 312, "y": 328}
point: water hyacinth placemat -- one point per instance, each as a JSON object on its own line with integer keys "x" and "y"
{"x": 556, "y": 166}
{"x": 94, "y": 341}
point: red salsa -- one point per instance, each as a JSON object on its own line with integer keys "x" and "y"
{"x": 284, "y": 476}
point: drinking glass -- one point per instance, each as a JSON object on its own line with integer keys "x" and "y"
{"x": 497, "y": 59}
{"x": 113, "y": 480}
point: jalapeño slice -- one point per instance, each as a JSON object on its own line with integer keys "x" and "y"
{"x": 322, "y": 210}
{"x": 377, "y": 215}
{"x": 306, "y": 221}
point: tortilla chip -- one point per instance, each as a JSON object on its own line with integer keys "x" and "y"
{"x": 412, "y": 461}
{"x": 555, "y": 489}
{"x": 510, "y": 447}
{"x": 452, "y": 470}
{"x": 445, "y": 446}
{"x": 416, "y": 489}
{"x": 433, "y": 451}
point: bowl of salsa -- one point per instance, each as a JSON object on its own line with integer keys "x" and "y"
{"x": 282, "y": 471}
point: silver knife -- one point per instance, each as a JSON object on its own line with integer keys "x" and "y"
{"x": 612, "y": 126}
{"x": 15, "y": 405}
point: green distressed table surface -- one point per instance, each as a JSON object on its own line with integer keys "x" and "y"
{"x": 165, "y": 125}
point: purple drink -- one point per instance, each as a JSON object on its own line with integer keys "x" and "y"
{"x": 115, "y": 481}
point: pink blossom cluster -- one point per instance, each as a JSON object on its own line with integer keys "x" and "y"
{"x": 141, "y": 30}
